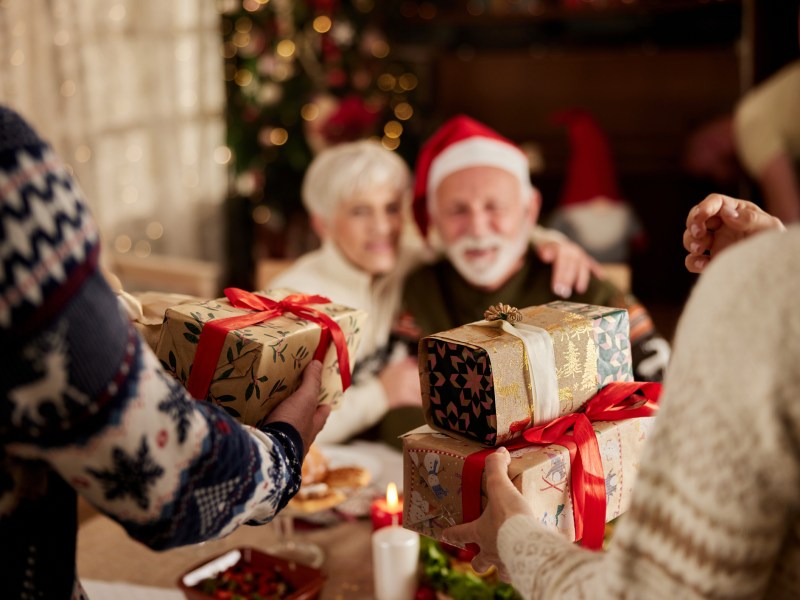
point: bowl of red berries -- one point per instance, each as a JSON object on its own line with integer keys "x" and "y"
{"x": 247, "y": 573}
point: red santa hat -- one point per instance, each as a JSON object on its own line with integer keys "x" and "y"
{"x": 461, "y": 143}
{"x": 590, "y": 172}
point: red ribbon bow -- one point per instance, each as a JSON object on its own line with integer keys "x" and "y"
{"x": 615, "y": 402}
{"x": 212, "y": 338}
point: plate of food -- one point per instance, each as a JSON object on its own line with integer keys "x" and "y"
{"x": 331, "y": 476}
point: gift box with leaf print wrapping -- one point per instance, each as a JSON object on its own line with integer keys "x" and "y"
{"x": 433, "y": 471}
{"x": 261, "y": 364}
{"x": 477, "y": 385}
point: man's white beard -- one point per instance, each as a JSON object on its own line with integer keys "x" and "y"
{"x": 491, "y": 270}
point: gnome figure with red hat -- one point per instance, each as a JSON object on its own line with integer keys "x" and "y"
{"x": 591, "y": 210}
{"x": 473, "y": 201}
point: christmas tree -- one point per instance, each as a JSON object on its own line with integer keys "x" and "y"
{"x": 301, "y": 76}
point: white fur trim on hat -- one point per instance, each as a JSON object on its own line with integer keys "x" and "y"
{"x": 479, "y": 152}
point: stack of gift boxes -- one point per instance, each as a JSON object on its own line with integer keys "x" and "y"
{"x": 523, "y": 378}
{"x": 553, "y": 383}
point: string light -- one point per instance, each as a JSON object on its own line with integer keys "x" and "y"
{"x": 244, "y": 24}
{"x": 243, "y": 77}
{"x": 278, "y": 136}
{"x": 227, "y": 50}
{"x": 393, "y": 129}
{"x": 154, "y": 230}
{"x": 222, "y": 155}
{"x": 309, "y": 112}
{"x": 408, "y": 81}
{"x": 390, "y": 143}
{"x": 241, "y": 39}
{"x": 123, "y": 244}
{"x": 251, "y": 5}
{"x": 403, "y": 111}
{"x": 285, "y": 48}
{"x": 386, "y": 82}
{"x": 142, "y": 249}
{"x": 380, "y": 49}
{"x": 270, "y": 94}
{"x": 261, "y": 214}
{"x": 322, "y": 24}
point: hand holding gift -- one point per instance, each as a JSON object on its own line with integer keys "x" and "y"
{"x": 302, "y": 409}
{"x": 505, "y": 501}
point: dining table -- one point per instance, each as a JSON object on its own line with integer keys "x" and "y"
{"x": 106, "y": 554}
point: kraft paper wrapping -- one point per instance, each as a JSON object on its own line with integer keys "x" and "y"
{"x": 475, "y": 379}
{"x": 433, "y": 463}
{"x": 260, "y": 365}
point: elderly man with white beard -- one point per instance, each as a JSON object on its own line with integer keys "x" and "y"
{"x": 473, "y": 199}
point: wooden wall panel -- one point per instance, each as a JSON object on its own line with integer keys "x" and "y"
{"x": 646, "y": 101}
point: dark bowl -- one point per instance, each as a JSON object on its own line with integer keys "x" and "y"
{"x": 306, "y": 581}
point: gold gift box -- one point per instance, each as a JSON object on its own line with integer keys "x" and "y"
{"x": 262, "y": 364}
{"x": 433, "y": 464}
{"x": 475, "y": 379}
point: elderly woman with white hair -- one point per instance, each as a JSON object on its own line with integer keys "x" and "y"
{"x": 357, "y": 195}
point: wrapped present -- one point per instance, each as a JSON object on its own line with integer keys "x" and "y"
{"x": 246, "y": 352}
{"x": 488, "y": 381}
{"x": 576, "y": 472}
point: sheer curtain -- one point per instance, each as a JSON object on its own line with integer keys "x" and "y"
{"x": 131, "y": 94}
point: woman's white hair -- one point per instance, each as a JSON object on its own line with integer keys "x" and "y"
{"x": 344, "y": 170}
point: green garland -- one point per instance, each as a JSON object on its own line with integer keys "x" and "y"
{"x": 446, "y": 574}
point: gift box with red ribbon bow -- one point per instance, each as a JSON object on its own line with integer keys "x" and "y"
{"x": 576, "y": 472}
{"x": 247, "y": 352}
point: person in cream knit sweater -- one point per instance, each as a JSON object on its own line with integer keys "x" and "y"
{"x": 714, "y": 513}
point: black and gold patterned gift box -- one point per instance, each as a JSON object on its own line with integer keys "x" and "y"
{"x": 488, "y": 381}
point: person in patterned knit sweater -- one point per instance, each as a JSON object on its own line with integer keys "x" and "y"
{"x": 714, "y": 513}
{"x": 85, "y": 407}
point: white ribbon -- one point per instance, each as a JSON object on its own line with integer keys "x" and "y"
{"x": 541, "y": 367}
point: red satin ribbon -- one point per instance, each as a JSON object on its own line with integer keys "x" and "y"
{"x": 212, "y": 338}
{"x": 615, "y": 402}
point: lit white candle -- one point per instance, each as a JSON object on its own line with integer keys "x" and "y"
{"x": 395, "y": 561}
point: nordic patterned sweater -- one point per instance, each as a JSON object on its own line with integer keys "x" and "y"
{"x": 85, "y": 406}
{"x": 714, "y": 513}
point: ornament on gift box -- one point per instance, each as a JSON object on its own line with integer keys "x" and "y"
{"x": 432, "y": 464}
{"x": 591, "y": 209}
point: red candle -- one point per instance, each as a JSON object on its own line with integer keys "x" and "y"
{"x": 387, "y": 511}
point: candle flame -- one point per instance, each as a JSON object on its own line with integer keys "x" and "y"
{"x": 391, "y": 495}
